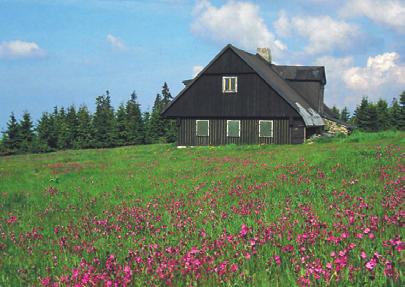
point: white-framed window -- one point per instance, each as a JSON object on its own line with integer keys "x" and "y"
{"x": 202, "y": 128}
{"x": 265, "y": 129}
{"x": 233, "y": 128}
{"x": 229, "y": 84}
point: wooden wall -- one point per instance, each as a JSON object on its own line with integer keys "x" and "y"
{"x": 254, "y": 98}
{"x": 249, "y": 133}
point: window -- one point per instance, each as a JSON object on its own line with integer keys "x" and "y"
{"x": 229, "y": 84}
{"x": 233, "y": 128}
{"x": 266, "y": 129}
{"x": 202, "y": 128}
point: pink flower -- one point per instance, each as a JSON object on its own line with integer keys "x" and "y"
{"x": 244, "y": 230}
{"x": 371, "y": 236}
{"x": 234, "y": 267}
{"x": 363, "y": 255}
{"x": 329, "y": 265}
{"x": 12, "y": 219}
{"x": 371, "y": 264}
{"x": 367, "y": 230}
{"x": 277, "y": 259}
{"x": 46, "y": 281}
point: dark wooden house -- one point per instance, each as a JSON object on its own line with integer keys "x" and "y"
{"x": 243, "y": 98}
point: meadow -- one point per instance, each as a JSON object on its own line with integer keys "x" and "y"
{"x": 328, "y": 213}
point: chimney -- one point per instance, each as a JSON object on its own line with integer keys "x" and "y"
{"x": 265, "y": 53}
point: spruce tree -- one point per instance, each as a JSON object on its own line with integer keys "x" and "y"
{"x": 61, "y": 128}
{"x": 147, "y": 130}
{"x": 134, "y": 123}
{"x": 157, "y": 129}
{"x": 47, "y": 132}
{"x": 12, "y": 136}
{"x": 345, "y": 115}
{"x": 71, "y": 125}
{"x": 372, "y": 118}
{"x": 169, "y": 124}
{"x": 26, "y": 133}
{"x": 336, "y": 113}
{"x": 395, "y": 112}
{"x": 401, "y": 121}
{"x": 361, "y": 114}
{"x": 85, "y": 132}
{"x": 104, "y": 122}
{"x": 121, "y": 119}
{"x": 383, "y": 116}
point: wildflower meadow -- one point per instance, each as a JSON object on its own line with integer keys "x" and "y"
{"x": 330, "y": 213}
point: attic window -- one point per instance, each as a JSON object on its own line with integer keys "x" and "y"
{"x": 202, "y": 128}
{"x": 229, "y": 84}
{"x": 233, "y": 128}
{"x": 266, "y": 129}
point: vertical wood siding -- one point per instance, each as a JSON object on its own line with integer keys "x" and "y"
{"x": 249, "y": 133}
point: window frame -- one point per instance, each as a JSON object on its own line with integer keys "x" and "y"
{"x": 272, "y": 129}
{"x": 224, "y": 78}
{"x": 196, "y": 128}
{"x": 227, "y": 128}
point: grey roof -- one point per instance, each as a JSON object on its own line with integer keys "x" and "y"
{"x": 301, "y": 73}
{"x": 267, "y": 72}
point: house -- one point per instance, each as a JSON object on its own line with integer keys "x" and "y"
{"x": 243, "y": 98}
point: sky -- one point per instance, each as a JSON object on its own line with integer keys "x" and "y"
{"x": 64, "y": 52}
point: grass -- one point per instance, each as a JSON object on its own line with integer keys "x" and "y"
{"x": 116, "y": 201}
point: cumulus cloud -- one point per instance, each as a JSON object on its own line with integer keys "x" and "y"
{"x": 381, "y": 77}
{"x": 115, "y": 42}
{"x": 20, "y": 49}
{"x": 380, "y": 70}
{"x": 235, "y": 22}
{"x": 390, "y": 13}
{"x": 323, "y": 33}
{"x": 196, "y": 70}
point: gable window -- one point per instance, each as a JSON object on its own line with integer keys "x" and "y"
{"x": 202, "y": 128}
{"x": 266, "y": 129}
{"x": 229, "y": 84}
{"x": 233, "y": 128}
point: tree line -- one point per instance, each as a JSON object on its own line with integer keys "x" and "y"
{"x": 71, "y": 128}
{"x": 373, "y": 117}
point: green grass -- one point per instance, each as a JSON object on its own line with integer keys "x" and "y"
{"x": 104, "y": 183}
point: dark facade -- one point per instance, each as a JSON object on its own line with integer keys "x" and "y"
{"x": 261, "y": 95}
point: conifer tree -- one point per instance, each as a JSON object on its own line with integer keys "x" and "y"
{"x": 169, "y": 124}
{"x": 134, "y": 123}
{"x": 71, "y": 126}
{"x": 104, "y": 122}
{"x": 26, "y": 133}
{"x": 157, "y": 129}
{"x": 361, "y": 114}
{"x": 47, "y": 132}
{"x": 147, "y": 129}
{"x": 395, "y": 112}
{"x": 12, "y": 136}
{"x": 336, "y": 113}
{"x": 372, "y": 118}
{"x": 345, "y": 115}
{"x": 121, "y": 119}
{"x": 401, "y": 121}
{"x": 85, "y": 132}
{"x": 383, "y": 116}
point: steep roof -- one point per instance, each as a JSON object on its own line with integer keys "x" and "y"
{"x": 301, "y": 73}
{"x": 273, "y": 79}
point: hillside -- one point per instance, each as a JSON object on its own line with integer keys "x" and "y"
{"x": 327, "y": 213}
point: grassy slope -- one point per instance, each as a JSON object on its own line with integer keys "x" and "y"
{"x": 92, "y": 181}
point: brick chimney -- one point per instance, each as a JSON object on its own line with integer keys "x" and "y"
{"x": 265, "y": 53}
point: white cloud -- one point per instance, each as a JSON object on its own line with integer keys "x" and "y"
{"x": 381, "y": 77}
{"x": 115, "y": 42}
{"x": 380, "y": 70}
{"x": 386, "y": 12}
{"x": 196, "y": 70}
{"x": 235, "y": 22}
{"x": 323, "y": 33}
{"x": 20, "y": 49}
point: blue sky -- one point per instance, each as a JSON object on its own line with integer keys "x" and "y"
{"x": 66, "y": 52}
